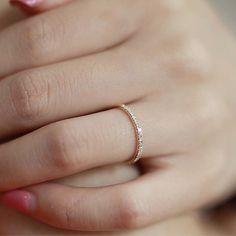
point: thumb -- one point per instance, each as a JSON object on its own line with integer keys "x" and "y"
{"x": 36, "y": 6}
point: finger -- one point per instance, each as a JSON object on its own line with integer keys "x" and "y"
{"x": 36, "y": 97}
{"x": 66, "y": 148}
{"x": 147, "y": 200}
{"x": 35, "y": 6}
{"x": 79, "y": 28}
{"x": 99, "y": 139}
{"x": 24, "y": 225}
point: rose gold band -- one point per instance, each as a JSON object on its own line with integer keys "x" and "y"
{"x": 138, "y": 134}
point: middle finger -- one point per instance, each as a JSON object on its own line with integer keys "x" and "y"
{"x": 36, "y": 97}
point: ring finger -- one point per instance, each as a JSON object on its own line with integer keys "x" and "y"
{"x": 77, "y": 144}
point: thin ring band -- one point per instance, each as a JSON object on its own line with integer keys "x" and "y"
{"x": 138, "y": 134}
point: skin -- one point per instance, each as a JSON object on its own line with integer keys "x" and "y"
{"x": 23, "y": 225}
{"x": 188, "y": 72}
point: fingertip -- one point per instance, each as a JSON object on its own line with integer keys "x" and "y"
{"x": 20, "y": 200}
{"x": 37, "y": 6}
{"x": 27, "y": 3}
{"x": 28, "y": 6}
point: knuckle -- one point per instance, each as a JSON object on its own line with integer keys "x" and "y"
{"x": 62, "y": 148}
{"x": 131, "y": 215}
{"x": 29, "y": 96}
{"x": 211, "y": 112}
{"x": 39, "y": 40}
{"x": 64, "y": 214}
{"x": 118, "y": 20}
{"x": 67, "y": 216}
{"x": 189, "y": 59}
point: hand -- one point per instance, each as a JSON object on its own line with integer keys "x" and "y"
{"x": 177, "y": 77}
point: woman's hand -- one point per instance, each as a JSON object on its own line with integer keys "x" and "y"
{"x": 164, "y": 59}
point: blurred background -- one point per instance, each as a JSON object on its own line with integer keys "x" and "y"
{"x": 227, "y": 8}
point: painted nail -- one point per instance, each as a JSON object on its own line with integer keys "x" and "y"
{"x": 28, "y": 3}
{"x": 20, "y": 200}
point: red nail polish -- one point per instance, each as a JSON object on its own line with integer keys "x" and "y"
{"x": 20, "y": 200}
{"x": 28, "y": 3}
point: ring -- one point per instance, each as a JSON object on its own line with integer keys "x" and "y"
{"x": 138, "y": 134}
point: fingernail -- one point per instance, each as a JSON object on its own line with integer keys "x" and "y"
{"x": 20, "y": 200}
{"x": 28, "y": 3}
